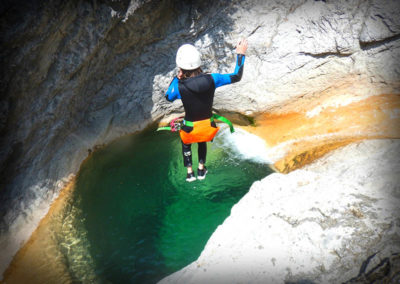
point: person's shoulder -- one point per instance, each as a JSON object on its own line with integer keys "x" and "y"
{"x": 204, "y": 77}
{"x": 199, "y": 83}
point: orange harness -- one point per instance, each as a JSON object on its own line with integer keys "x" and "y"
{"x": 202, "y": 131}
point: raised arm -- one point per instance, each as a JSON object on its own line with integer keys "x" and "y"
{"x": 236, "y": 76}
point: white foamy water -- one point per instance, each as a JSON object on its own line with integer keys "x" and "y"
{"x": 249, "y": 146}
{"x": 243, "y": 144}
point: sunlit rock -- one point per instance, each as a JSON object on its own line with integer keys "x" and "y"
{"x": 316, "y": 225}
{"x": 297, "y": 138}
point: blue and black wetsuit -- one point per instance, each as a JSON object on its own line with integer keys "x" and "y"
{"x": 197, "y": 95}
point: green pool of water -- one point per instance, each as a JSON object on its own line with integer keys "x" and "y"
{"x": 133, "y": 217}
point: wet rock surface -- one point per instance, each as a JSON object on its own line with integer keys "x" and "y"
{"x": 333, "y": 221}
{"x": 78, "y": 74}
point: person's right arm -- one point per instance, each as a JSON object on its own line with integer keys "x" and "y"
{"x": 173, "y": 91}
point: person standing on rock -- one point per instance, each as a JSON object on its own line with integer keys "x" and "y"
{"x": 196, "y": 90}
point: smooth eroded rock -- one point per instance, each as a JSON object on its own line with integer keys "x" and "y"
{"x": 314, "y": 225}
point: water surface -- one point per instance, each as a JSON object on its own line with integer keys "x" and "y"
{"x": 134, "y": 218}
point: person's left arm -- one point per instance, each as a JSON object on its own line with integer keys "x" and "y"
{"x": 236, "y": 76}
{"x": 173, "y": 91}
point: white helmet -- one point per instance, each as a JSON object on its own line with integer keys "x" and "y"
{"x": 188, "y": 57}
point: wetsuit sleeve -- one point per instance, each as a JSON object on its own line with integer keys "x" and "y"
{"x": 173, "y": 91}
{"x": 224, "y": 79}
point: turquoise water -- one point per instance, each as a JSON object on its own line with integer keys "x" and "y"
{"x": 134, "y": 218}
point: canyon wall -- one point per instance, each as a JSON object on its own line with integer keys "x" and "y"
{"x": 78, "y": 74}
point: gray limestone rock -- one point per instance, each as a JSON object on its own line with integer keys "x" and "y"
{"x": 319, "y": 224}
{"x": 381, "y": 22}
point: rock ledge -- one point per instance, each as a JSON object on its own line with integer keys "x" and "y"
{"x": 318, "y": 224}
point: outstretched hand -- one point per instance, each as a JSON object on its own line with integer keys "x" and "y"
{"x": 241, "y": 47}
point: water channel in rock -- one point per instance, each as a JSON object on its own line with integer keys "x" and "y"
{"x": 134, "y": 219}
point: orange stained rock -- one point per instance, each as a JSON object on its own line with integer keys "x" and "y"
{"x": 311, "y": 135}
{"x": 40, "y": 260}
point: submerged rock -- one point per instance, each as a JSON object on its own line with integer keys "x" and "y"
{"x": 319, "y": 224}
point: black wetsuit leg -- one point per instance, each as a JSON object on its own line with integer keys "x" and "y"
{"x": 187, "y": 154}
{"x": 202, "y": 151}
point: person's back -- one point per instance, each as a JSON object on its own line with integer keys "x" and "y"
{"x": 196, "y": 90}
{"x": 197, "y": 94}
